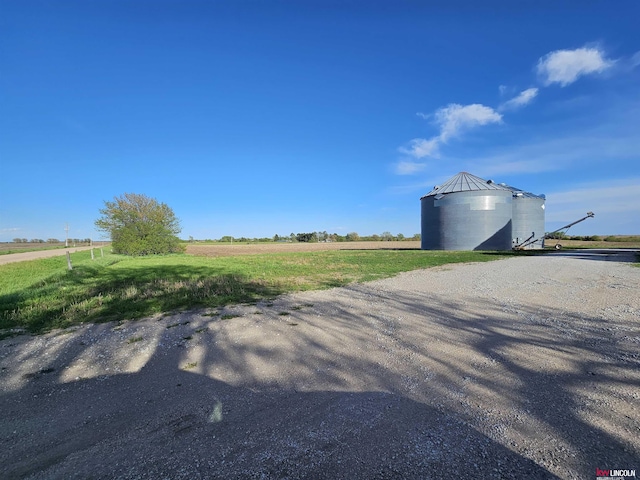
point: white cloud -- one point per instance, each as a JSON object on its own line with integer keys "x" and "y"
{"x": 419, "y": 148}
{"x": 524, "y": 98}
{"x": 452, "y": 121}
{"x": 454, "y": 118}
{"x": 635, "y": 60}
{"x": 566, "y": 66}
{"x": 409, "y": 168}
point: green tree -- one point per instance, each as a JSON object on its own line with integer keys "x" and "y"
{"x": 352, "y": 237}
{"x": 139, "y": 225}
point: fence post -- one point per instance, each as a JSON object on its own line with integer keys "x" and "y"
{"x": 92, "y": 257}
{"x": 101, "y": 253}
{"x": 69, "y": 261}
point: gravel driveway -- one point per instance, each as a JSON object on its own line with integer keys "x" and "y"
{"x": 521, "y": 368}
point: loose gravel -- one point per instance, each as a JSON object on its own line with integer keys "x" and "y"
{"x": 520, "y": 368}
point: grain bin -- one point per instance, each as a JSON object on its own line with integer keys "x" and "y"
{"x": 527, "y": 219}
{"x": 467, "y": 213}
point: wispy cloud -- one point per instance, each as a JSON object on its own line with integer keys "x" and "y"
{"x": 614, "y": 203}
{"x": 419, "y": 147}
{"x": 561, "y": 67}
{"x": 409, "y": 168}
{"x": 524, "y": 98}
{"x": 584, "y": 150}
{"x": 566, "y": 66}
{"x": 451, "y": 120}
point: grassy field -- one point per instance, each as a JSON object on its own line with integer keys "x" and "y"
{"x": 40, "y": 295}
{"x": 7, "y": 248}
{"x": 596, "y": 244}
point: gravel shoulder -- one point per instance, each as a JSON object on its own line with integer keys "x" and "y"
{"x": 521, "y": 368}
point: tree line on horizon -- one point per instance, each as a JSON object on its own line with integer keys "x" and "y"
{"x": 315, "y": 237}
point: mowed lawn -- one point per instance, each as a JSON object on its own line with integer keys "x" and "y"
{"x": 41, "y": 295}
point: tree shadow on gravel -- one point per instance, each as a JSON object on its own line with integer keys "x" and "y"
{"x": 412, "y": 386}
{"x": 173, "y": 419}
{"x": 579, "y": 413}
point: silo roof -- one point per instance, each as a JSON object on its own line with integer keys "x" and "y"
{"x": 465, "y": 182}
{"x": 522, "y": 193}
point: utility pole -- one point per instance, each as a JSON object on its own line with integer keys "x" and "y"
{"x": 66, "y": 235}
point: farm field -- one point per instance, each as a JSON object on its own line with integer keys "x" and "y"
{"x": 216, "y": 250}
{"x": 595, "y": 244}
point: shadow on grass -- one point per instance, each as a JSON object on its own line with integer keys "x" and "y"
{"x": 97, "y": 294}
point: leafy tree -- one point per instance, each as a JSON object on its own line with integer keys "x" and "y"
{"x": 139, "y": 225}
{"x": 352, "y": 237}
{"x": 400, "y": 237}
{"x": 305, "y": 237}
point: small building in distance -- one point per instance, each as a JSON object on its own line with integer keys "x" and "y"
{"x": 470, "y": 213}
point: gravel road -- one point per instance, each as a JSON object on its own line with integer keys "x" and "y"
{"x": 521, "y": 368}
{"x": 24, "y": 256}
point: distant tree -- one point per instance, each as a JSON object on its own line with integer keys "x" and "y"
{"x": 53, "y": 240}
{"x": 17, "y": 240}
{"x": 556, "y": 235}
{"x": 139, "y": 225}
{"x": 352, "y": 237}
{"x": 36, "y": 240}
{"x": 387, "y": 236}
{"x": 416, "y": 237}
{"x": 276, "y": 238}
{"x": 400, "y": 237}
{"x": 305, "y": 237}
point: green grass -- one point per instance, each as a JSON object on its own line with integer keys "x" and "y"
{"x": 42, "y": 294}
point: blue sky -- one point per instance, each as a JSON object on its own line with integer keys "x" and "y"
{"x": 251, "y": 118}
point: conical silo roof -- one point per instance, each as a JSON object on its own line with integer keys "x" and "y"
{"x": 464, "y": 182}
{"x": 521, "y": 193}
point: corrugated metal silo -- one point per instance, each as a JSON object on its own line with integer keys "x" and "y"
{"x": 467, "y": 213}
{"x": 527, "y": 221}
